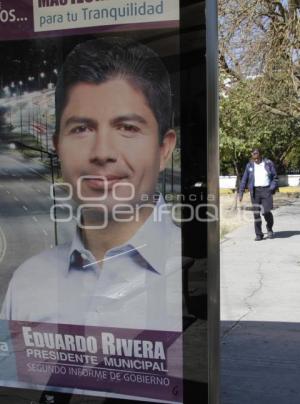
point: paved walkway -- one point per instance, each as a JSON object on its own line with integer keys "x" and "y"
{"x": 260, "y": 312}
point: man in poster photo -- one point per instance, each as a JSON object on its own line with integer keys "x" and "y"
{"x": 113, "y": 138}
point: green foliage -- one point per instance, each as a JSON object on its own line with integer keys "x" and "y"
{"x": 259, "y": 44}
{"x": 246, "y": 123}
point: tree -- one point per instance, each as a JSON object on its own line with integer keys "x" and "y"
{"x": 243, "y": 126}
{"x": 259, "y": 44}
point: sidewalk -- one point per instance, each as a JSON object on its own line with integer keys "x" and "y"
{"x": 260, "y": 312}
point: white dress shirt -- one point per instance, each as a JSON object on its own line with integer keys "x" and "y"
{"x": 261, "y": 177}
{"x": 138, "y": 285}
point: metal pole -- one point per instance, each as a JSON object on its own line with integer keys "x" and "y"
{"x": 46, "y": 128}
{"x": 39, "y": 119}
{"x": 35, "y": 134}
{"x": 21, "y": 125}
{"x": 213, "y": 231}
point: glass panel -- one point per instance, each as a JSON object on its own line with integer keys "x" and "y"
{"x": 104, "y": 218}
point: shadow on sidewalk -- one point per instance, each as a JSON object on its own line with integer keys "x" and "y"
{"x": 260, "y": 362}
{"x": 286, "y": 234}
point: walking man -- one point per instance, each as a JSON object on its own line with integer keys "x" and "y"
{"x": 260, "y": 175}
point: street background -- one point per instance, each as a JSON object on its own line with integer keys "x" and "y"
{"x": 260, "y": 312}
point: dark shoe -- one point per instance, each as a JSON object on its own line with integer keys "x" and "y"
{"x": 259, "y": 237}
{"x": 270, "y": 234}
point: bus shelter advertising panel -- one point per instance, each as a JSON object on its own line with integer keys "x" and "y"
{"x": 95, "y": 207}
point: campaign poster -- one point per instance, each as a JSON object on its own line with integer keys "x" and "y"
{"x": 90, "y": 198}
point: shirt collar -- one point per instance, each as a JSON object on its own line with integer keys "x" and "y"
{"x": 149, "y": 242}
{"x": 78, "y": 255}
{"x": 151, "y": 238}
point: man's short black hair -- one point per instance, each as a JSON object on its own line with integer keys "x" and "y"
{"x": 99, "y": 60}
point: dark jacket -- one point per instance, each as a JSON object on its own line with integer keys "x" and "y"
{"x": 248, "y": 177}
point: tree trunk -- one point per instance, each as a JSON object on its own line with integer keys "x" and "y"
{"x": 237, "y": 185}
